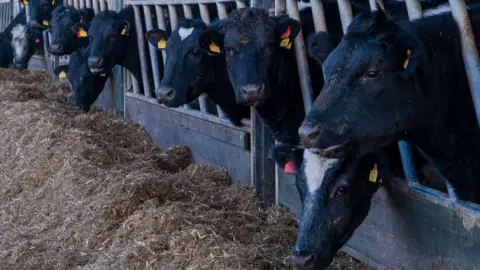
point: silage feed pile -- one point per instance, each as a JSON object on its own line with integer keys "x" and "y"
{"x": 89, "y": 191}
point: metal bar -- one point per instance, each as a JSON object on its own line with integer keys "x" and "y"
{"x": 222, "y": 10}
{"x": 187, "y": 11}
{"x": 205, "y": 15}
{"x": 82, "y": 3}
{"x": 414, "y": 9}
{"x": 153, "y": 51}
{"x": 27, "y": 12}
{"x": 103, "y": 5}
{"x": 96, "y": 9}
{"x": 345, "y": 10}
{"x": 141, "y": 51}
{"x": 76, "y": 4}
{"x": 318, "y": 16}
{"x": 240, "y": 4}
{"x": 469, "y": 51}
{"x": 162, "y": 25}
{"x": 373, "y": 4}
{"x": 301, "y": 56}
{"x": 88, "y": 3}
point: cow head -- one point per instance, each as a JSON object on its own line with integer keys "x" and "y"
{"x": 336, "y": 196}
{"x": 252, "y": 42}
{"x": 371, "y": 95}
{"x": 108, "y": 41}
{"x": 85, "y": 86}
{"x": 44, "y": 13}
{"x": 69, "y": 29}
{"x": 25, "y": 41}
{"x": 188, "y": 69}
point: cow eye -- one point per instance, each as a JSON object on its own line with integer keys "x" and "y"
{"x": 341, "y": 191}
{"x": 371, "y": 74}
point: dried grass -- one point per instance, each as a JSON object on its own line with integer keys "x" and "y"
{"x": 89, "y": 191}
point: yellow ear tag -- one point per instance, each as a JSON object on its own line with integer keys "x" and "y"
{"x": 373, "y": 174}
{"x": 214, "y": 48}
{"x": 53, "y": 2}
{"x": 405, "y": 64}
{"x": 124, "y": 31}
{"x": 45, "y": 22}
{"x": 82, "y": 33}
{"x": 62, "y": 75}
{"x": 162, "y": 44}
{"x": 285, "y": 43}
{"x": 25, "y": 2}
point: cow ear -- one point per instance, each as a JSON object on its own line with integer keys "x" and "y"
{"x": 125, "y": 26}
{"x": 158, "y": 38}
{"x": 81, "y": 29}
{"x": 320, "y": 45}
{"x": 61, "y": 72}
{"x": 211, "y": 40}
{"x": 286, "y": 29}
{"x": 287, "y": 157}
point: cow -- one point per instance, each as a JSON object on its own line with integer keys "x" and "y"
{"x": 336, "y": 195}
{"x": 190, "y": 72}
{"x": 389, "y": 81}
{"x": 85, "y": 86}
{"x": 26, "y": 41}
{"x": 65, "y": 37}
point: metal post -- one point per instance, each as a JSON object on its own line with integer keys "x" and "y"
{"x": 318, "y": 16}
{"x": 240, "y": 4}
{"x": 373, "y": 4}
{"x": 469, "y": 51}
{"x": 161, "y": 24}
{"x": 414, "y": 9}
{"x": 88, "y": 4}
{"x": 103, "y": 5}
{"x": 153, "y": 51}
{"x": 345, "y": 10}
{"x": 27, "y": 12}
{"x": 76, "y": 4}
{"x": 96, "y": 9}
{"x": 141, "y": 51}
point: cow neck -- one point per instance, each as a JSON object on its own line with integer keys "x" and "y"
{"x": 284, "y": 113}
{"x": 451, "y": 139}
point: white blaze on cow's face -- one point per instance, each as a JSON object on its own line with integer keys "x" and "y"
{"x": 316, "y": 168}
{"x": 185, "y": 32}
{"x": 19, "y": 40}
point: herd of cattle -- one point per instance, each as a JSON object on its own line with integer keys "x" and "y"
{"x": 386, "y": 79}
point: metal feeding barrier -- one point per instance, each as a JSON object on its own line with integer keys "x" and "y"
{"x": 8, "y": 10}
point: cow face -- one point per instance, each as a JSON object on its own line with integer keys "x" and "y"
{"x": 188, "y": 70}
{"x": 108, "y": 41}
{"x": 66, "y": 34}
{"x": 371, "y": 94}
{"x": 252, "y": 42}
{"x": 25, "y": 41}
{"x": 336, "y": 197}
{"x": 44, "y": 13}
{"x": 85, "y": 86}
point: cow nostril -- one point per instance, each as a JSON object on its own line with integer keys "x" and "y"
{"x": 165, "y": 94}
{"x": 303, "y": 261}
{"x": 252, "y": 88}
{"x": 308, "y": 134}
{"x": 171, "y": 93}
{"x": 95, "y": 61}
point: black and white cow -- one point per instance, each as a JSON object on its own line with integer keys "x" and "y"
{"x": 26, "y": 41}
{"x": 389, "y": 81}
{"x": 65, "y": 36}
{"x": 336, "y": 196}
{"x": 190, "y": 72}
{"x": 85, "y": 86}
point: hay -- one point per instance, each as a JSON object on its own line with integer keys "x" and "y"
{"x": 89, "y": 191}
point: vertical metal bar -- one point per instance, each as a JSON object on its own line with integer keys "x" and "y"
{"x": 76, "y": 4}
{"x": 469, "y": 51}
{"x": 103, "y": 5}
{"x": 281, "y": 9}
{"x": 27, "y": 12}
{"x": 88, "y": 3}
{"x": 373, "y": 4}
{"x": 82, "y": 3}
{"x": 141, "y": 50}
{"x": 187, "y": 11}
{"x": 153, "y": 51}
{"x": 222, "y": 13}
{"x": 345, "y": 10}
{"x": 240, "y": 4}
{"x": 414, "y": 9}
{"x": 205, "y": 15}
{"x": 302, "y": 62}
{"x": 162, "y": 25}
{"x": 172, "y": 12}
{"x": 96, "y": 9}
{"x": 318, "y": 16}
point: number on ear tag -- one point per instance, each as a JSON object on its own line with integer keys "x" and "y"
{"x": 407, "y": 60}
{"x": 162, "y": 44}
{"x": 62, "y": 75}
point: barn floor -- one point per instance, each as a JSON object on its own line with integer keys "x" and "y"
{"x": 91, "y": 191}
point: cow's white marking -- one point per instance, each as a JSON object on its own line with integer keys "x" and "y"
{"x": 316, "y": 167}
{"x": 303, "y": 5}
{"x": 19, "y": 40}
{"x": 437, "y": 10}
{"x": 185, "y": 32}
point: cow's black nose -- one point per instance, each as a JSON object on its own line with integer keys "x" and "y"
{"x": 95, "y": 62}
{"x": 252, "y": 93}
{"x": 165, "y": 94}
{"x": 56, "y": 48}
{"x": 303, "y": 260}
{"x": 308, "y": 134}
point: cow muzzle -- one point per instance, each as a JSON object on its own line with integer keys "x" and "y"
{"x": 308, "y": 134}
{"x": 252, "y": 94}
{"x": 165, "y": 94}
{"x": 95, "y": 64}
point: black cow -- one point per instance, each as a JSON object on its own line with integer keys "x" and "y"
{"x": 26, "y": 41}
{"x": 42, "y": 11}
{"x": 189, "y": 72}
{"x": 336, "y": 196}
{"x": 65, "y": 37}
{"x": 85, "y": 86}
{"x": 390, "y": 81}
